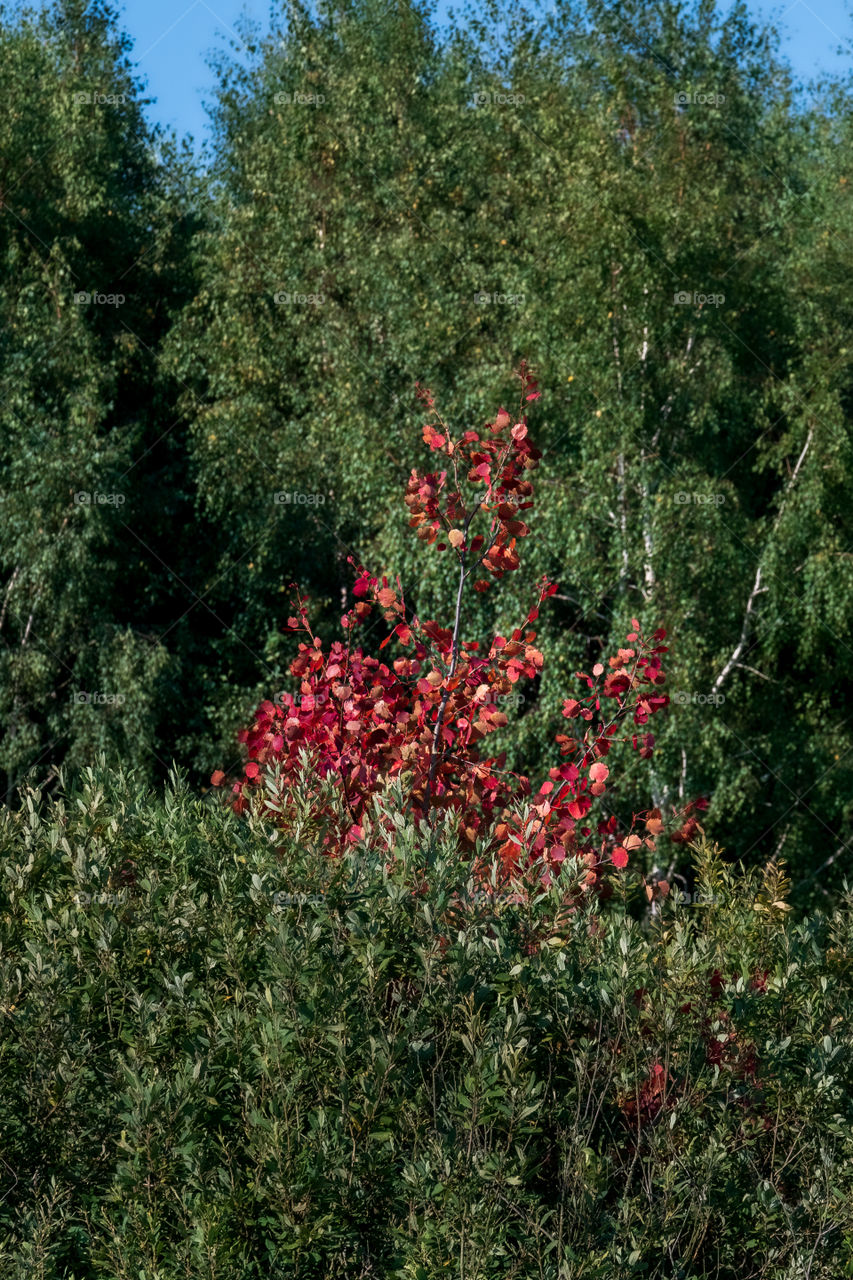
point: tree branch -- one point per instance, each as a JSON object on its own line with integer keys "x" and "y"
{"x": 757, "y": 588}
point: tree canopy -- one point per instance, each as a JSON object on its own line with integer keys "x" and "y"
{"x": 637, "y": 199}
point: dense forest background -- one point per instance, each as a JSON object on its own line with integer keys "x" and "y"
{"x": 635, "y": 198}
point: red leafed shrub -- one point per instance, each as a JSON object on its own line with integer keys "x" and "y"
{"x": 422, "y": 715}
{"x": 642, "y": 1107}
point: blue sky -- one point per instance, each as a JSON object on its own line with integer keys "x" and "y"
{"x": 172, "y": 38}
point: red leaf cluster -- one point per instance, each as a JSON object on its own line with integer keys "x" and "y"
{"x": 422, "y": 716}
{"x": 492, "y": 463}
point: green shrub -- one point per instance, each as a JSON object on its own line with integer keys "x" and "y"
{"x": 237, "y": 1059}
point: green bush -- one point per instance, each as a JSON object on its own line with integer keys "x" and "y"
{"x": 225, "y": 1056}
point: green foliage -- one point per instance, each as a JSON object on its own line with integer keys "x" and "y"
{"x": 225, "y": 1055}
{"x": 96, "y": 216}
{"x": 528, "y": 186}
{"x": 391, "y": 201}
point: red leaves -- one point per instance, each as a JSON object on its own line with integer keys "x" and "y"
{"x": 758, "y": 981}
{"x": 690, "y": 823}
{"x": 424, "y": 394}
{"x": 434, "y": 438}
{"x": 442, "y": 513}
{"x": 529, "y": 385}
{"x": 597, "y": 776}
{"x": 654, "y": 823}
{"x": 643, "y": 1106}
{"x": 616, "y": 684}
{"x": 363, "y": 722}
